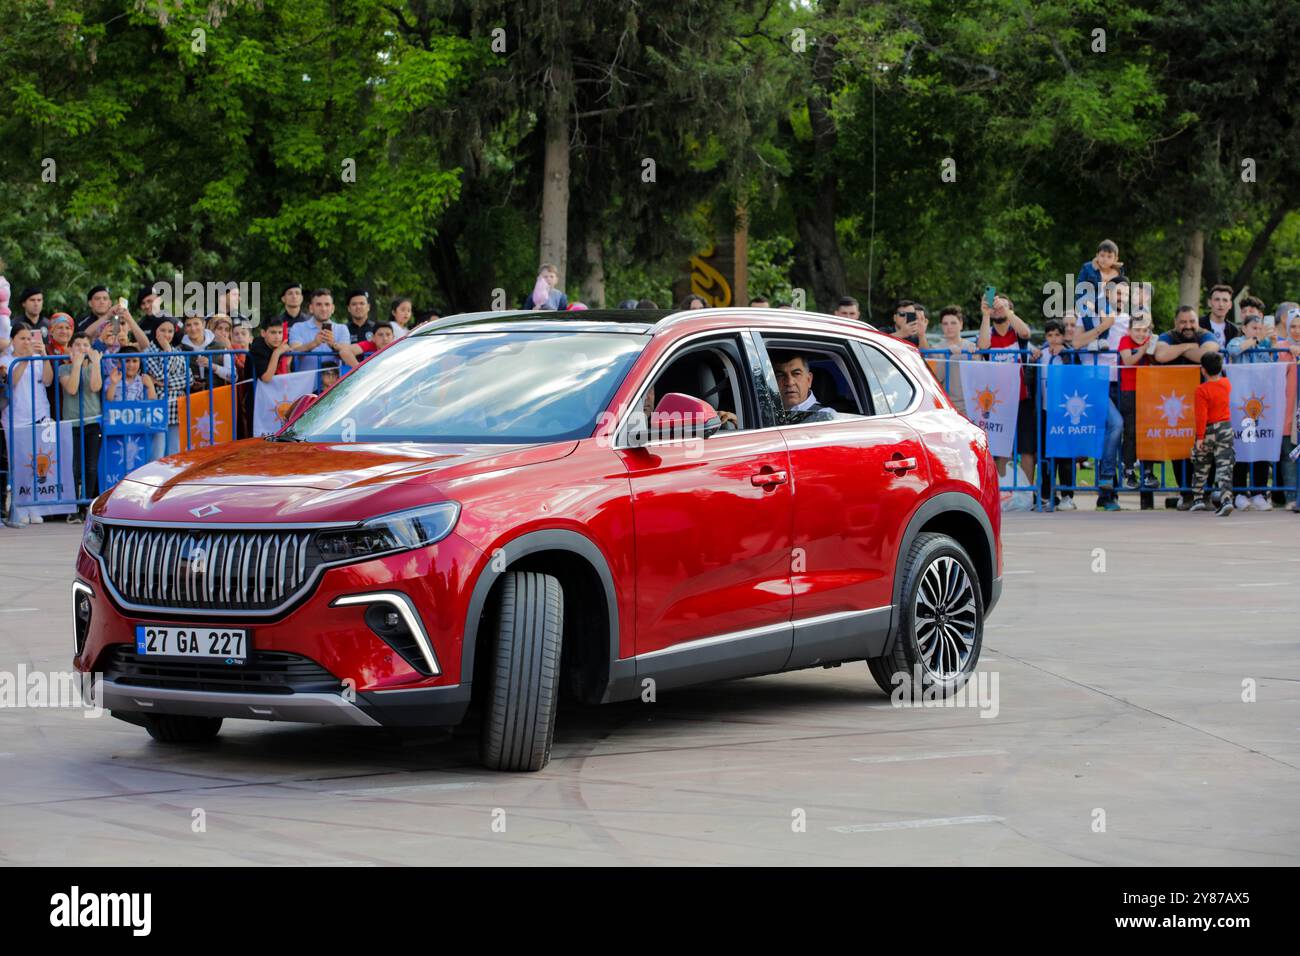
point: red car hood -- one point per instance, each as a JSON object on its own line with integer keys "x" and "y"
{"x": 257, "y": 481}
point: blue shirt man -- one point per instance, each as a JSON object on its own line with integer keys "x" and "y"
{"x": 320, "y": 337}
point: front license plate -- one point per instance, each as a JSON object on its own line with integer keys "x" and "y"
{"x": 226, "y": 644}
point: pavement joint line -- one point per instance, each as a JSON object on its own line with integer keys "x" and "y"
{"x": 951, "y": 754}
{"x": 1154, "y": 713}
{"x": 916, "y": 824}
{"x": 235, "y": 785}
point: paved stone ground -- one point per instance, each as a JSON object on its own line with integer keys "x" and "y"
{"x": 1118, "y": 692}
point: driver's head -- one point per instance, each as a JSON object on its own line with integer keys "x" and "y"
{"x": 793, "y": 378}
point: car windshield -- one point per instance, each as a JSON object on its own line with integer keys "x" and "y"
{"x": 507, "y": 387}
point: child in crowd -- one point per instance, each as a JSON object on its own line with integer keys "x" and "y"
{"x": 1254, "y": 344}
{"x": 1136, "y": 348}
{"x": 380, "y": 339}
{"x": 1055, "y": 352}
{"x": 1214, "y": 433}
{"x": 125, "y": 381}
{"x": 329, "y": 374}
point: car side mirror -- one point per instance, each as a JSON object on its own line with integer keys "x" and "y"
{"x": 677, "y": 417}
{"x": 299, "y": 406}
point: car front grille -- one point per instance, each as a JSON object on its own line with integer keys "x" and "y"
{"x": 179, "y": 568}
{"x": 267, "y": 672}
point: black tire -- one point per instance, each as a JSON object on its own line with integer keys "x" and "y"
{"x": 945, "y": 661}
{"x": 182, "y": 729}
{"x": 524, "y": 673}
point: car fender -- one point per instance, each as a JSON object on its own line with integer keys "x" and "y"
{"x": 547, "y": 539}
{"x": 944, "y": 502}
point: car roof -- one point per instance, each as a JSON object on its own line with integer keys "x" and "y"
{"x": 635, "y": 321}
{"x": 641, "y": 321}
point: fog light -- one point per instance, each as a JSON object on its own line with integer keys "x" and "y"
{"x": 392, "y": 619}
{"x": 81, "y": 595}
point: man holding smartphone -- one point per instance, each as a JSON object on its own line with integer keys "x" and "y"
{"x": 910, "y": 323}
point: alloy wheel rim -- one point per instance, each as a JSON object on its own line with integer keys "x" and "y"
{"x": 944, "y": 618}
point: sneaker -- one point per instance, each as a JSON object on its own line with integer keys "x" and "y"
{"x": 1243, "y": 503}
{"x": 1067, "y": 504}
{"x": 1110, "y": 504}
{"x": 34, "y": 519}
{"x": 1260, "y": 503}
{"x": 1225, "y": 509}
{"x": 1130, "y": 478}
{"x": 1197, "y": 505}
{"x": 1150, "y": 481}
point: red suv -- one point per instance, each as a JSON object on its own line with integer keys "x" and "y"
{"x": 504, "y": 507}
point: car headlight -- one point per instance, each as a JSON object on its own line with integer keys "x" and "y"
{"x": 399, "y": 531}
{"x": 92, "y": 537}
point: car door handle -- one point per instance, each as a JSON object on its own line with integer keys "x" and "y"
{"x": 900, "y": 464}
{"x": 768, "y": 479}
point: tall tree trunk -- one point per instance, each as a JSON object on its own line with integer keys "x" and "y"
{"x": 815, "y": 217}
{"x": 1189, "y": 281}
{"x": 740, "y": 259}
{"x": 593, "y": 286}
{"x": 554, "y": 244}
{"x": 1211, "y": 271}
{"x": 1257, "y": 247}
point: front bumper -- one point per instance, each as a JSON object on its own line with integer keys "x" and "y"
{"x": 368, "y": 680}
{"x": 422, "y": 707}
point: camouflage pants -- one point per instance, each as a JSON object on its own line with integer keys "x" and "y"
{"x": 1217, "y": 448}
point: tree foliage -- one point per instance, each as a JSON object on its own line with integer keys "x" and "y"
{"x": 924, "y": 148}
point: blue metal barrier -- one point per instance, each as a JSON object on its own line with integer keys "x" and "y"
{"x": 943, "y": 359}
{"x": 44, "y": 412}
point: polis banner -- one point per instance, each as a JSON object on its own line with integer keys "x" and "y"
{"x": 1077, "y": 402}
{"x": 1259, "y": 410}
{"x": 1166, "y": 412}
{"x": 992, "y": 393}
{"x": 128, "y": 431}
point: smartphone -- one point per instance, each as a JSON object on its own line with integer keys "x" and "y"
{"x": 989, "y": 294}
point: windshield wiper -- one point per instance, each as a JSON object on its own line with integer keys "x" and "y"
{"x": 285, "y": 436}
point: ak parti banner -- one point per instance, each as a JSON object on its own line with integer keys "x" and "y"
{"x": 1166, "y": 412}
{"x": 206, "y": 418}
{"x": 1259, "y": 410}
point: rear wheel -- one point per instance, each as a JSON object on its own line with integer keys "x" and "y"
{"x": 940, "y": 622}
{"x": 524, "y": 673}
{"x": 182, "y": 728}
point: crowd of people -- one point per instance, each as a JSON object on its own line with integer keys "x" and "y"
{"x": 110, "y": 353}
{"x": 1112, "y": 324}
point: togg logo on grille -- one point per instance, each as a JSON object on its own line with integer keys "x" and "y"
{"x": 205, "y": 511}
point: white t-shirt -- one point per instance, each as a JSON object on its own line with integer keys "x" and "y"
{"x": 1112, "y": 339}
{"x": 30, "y": 402}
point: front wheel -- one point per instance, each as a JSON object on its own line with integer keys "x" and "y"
{"x": 524, "y": 673}
{"x": 940, "y": 622}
